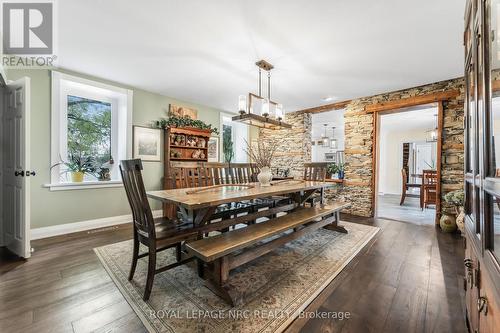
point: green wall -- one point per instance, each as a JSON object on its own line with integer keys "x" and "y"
{"x": 50, "y": 208}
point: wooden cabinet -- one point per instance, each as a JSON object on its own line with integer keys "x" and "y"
{"x": 482, "y": 165}
{"x": 182, "y": 145}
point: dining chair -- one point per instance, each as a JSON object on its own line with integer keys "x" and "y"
{"x": 157, "y": 234}
{"x": 315, "y": 171}
{"x": 407, "y": 186}
{"x": 429, "y": 187}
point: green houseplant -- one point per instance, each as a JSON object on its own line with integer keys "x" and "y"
{"x": 78, "y": 166}
{"x": 332, "y": 169}
{"x": 175, "y": 121}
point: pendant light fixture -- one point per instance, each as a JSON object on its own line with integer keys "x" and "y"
{"x": 333, "y": 141}
{"x": 268, "y": 114}
{"x": 432, "y": 134}
{"x": 325, "y": 139}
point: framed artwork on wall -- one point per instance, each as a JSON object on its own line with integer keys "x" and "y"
{"x": 213, "y": 149}
{"x": 147, "y": 143}
{"x": 182, "y": 111}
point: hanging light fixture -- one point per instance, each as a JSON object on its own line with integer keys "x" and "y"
{"x": 325, "y": 139}
{"x": 270, "y": 114}
{"x": 333, "y": 141}
{"x": 432, "y": 134}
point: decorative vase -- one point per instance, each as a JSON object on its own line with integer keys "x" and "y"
{"x": 341, "y": 174}
{"x": 264, "y": 177}
{"x": 460, "y": 219}
{"x": 447, "y": 223}
{"x": 77, "y": 176}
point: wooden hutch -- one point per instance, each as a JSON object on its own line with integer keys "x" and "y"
{"x": 482, "y": 165}
{"x": 182, "y": 145}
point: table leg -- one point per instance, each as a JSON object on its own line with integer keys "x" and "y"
{"x": 335, "y": 225}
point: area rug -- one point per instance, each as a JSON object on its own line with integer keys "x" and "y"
{"x": 283, "y": 283}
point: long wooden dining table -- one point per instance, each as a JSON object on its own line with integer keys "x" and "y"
{"x": 199, "y": 206}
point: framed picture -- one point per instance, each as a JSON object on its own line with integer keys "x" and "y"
{"x": 213, "y": 149}
{"x": 147, "y": 143}
{"x": 182, "y": 111}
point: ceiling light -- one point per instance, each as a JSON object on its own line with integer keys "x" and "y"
{"x": 266, "y": 113}
{"x": 329, "y": 99}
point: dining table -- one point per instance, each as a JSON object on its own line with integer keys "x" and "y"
{"x": 200, "y": 205}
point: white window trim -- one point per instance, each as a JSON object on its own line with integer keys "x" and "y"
{"x": 59, "y": 132}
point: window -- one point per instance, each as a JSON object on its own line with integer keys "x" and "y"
{"x": 91, "y": 126}
{"x": 234, "y": 135}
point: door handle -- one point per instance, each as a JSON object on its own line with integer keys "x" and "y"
{"x": 19, "y": 173}
{"x": 30, "y": 173}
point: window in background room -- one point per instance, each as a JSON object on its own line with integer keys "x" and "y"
{"x": 90, "y": 130}
{"x": 234, "y": 137}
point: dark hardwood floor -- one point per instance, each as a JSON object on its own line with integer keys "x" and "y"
{"x": 408, "y": 279}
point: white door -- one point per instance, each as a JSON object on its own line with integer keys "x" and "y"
{"x": 16, "y": 168}
{"x": 424, "y": 159}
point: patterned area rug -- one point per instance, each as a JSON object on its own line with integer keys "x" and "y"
{"x": 283, "y": 282}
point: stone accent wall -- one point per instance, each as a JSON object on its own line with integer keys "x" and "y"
{"x": 294, "y": 144}
{"x": 359, "y": 131}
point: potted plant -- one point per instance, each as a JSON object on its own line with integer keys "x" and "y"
{"x": 332, "y": 169}
{"x": 456, "y": 199}
{"x": 262, "y": 154}
{"x": 78, "y": 166}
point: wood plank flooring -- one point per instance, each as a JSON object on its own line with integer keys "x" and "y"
{"x": 408, "y": 279}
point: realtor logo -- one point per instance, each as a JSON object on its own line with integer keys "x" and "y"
{"x": 27, "y": 28}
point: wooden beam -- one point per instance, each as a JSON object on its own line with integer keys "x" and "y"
{"x": 412, "y": 101}
{"x": 438, "y": 161}
{"x": 325, "y": 108}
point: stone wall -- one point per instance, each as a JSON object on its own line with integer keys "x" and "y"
{"x": 294, "y": 144}
{"x": 359, "y": 131}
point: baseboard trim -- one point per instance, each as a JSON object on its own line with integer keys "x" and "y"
{"x": 69, "y": 228}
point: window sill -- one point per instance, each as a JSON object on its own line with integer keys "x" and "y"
{"x": 83, "y": 185}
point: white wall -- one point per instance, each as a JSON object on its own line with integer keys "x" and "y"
{"x": 391, "y": 158}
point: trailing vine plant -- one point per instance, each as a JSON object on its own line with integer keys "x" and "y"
{"x": 174, "y": 121}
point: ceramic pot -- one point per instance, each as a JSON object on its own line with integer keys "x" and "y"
{"x": 77, "y": 177}
{"x": 447, "y": 223}
{"x": 341, "y": 174}
{"x": 460, "y": 219}
{"x": 264, "y": 177}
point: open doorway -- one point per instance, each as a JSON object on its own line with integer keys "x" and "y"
{"x": 407, "y": 164}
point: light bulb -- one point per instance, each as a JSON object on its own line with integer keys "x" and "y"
{"x": 265, "y": 108}
{"x": 242, "y": 104}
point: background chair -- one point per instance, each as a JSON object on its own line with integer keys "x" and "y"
{"x": 429, "y": 187}
{"x": 157, "y": 234}
{"x": 407, "y": 186}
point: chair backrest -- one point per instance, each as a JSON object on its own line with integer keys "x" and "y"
{"x": 240, "y": 173}
{"x": 315, "y": 171}
{"x": 131, "y": 171}
{"x": 429, "y": 177}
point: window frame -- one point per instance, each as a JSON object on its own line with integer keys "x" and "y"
{"x": 121, "y": 100}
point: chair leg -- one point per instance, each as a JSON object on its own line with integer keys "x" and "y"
{"x": 403, "y": 197}
{"x": 151, "y": 271}
{"x": 178, "y": 252}
{"x": 135, "y": 255}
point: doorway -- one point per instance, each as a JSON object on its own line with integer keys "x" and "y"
{"x": 407, "y": 164}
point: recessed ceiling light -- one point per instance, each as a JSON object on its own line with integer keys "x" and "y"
{"x": 329, "y": 99}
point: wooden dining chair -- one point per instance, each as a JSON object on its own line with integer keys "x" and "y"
{"x": 406, "y": 186}
{"x": 157, "y": 234}
{"x": 429, "y": 188}
{"x": 315, "y": 171}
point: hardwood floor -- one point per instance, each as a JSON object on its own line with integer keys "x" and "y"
{"x": 408, "y": 279}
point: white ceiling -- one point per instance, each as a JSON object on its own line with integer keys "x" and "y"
{"x": 422, "y": 119}
{"x": 204, "y": 51}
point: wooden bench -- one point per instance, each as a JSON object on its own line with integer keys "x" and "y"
{"x": 229, "y": 250}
